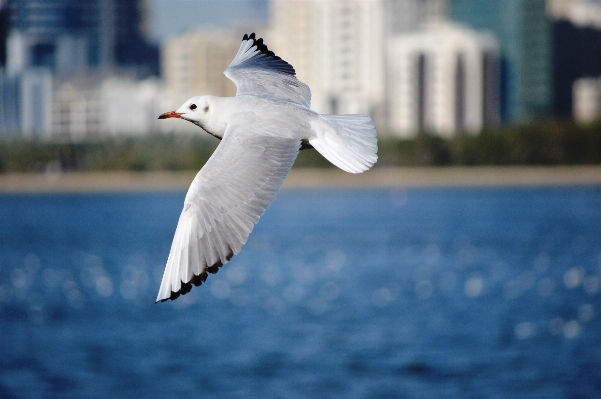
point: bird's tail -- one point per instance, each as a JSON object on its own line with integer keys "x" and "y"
{"x": 348, "y": 141}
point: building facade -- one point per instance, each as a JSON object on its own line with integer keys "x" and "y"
{"x": 193, "y": 63}
{"x": 442, "y": 79}
{"x": 524, "y": 34}
{"x": 350, "y": 52}
{"x": 69, "y": 34}
{"x": 337, "y": 48}
{"x": 48, "y": 41}
{"x": 89, "y": 107}
{"x": 576, "y": 49}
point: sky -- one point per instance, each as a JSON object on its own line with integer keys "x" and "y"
{"x": 172, "y": 17}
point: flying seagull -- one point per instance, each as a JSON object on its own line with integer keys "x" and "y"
{"x": 262, "y": 130}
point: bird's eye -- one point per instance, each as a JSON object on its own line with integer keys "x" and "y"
{"x": 207, "y": 108}
{"x": 193, "y": 107}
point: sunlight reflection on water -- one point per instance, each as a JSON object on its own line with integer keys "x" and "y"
{"x": 446, "y": 293}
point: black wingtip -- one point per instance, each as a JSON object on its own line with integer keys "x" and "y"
{"x": 196, "y": 280}
{"x": 284, "y": 67}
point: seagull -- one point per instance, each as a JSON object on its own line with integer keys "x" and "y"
{"x": 261, "y": 130}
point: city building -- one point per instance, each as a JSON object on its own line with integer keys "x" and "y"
{"x": 48, "y": 41}
{"x": 350, "y": 52}
{"x": 193, "y": 63}
{"x": 442, "y": 79}
{"x": 576, "y": 49}
{"x": 89, "y": 107}
{"x": 524, "y": 34}
{"x": 337, "y": 48}
{"x": 66, "y": 35}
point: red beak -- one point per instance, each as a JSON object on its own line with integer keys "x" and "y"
{"x": 170, "y": 114}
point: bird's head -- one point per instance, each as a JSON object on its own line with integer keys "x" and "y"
{"x": 196, "y": 110}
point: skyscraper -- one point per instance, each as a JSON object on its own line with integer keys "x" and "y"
{"x": 576, "y": 53}
{"x": 443, "y": 79}
{"x": 193, "y": 63}
{"x": 347, "y": 51}
{"x": 66, "y": 35}
{"x": 48, "y": 41}
{"x": 524, "y": 34}
{"x": 337, "y": 48}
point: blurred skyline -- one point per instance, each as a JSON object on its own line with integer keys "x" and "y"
{"x": 442, "y": 66}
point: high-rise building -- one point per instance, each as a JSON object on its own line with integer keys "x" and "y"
{"x": 442, "y": 79}
{"x": 193, "y": 63}
{"x": 576, "y": 53}
{"x": 87, "y": 107}
{"x": 337, "y": 48}
{"x": 524, "y": 34}
{"x": 66, "y": 35}
{"x": 340, "y": 48}
{"x": 49, "y": 41}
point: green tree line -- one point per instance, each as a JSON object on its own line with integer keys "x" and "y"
{"x": 540, "y": 143}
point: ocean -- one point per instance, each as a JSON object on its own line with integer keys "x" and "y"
{"x": 405, "y": 293}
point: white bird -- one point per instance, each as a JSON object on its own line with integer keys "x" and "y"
{"x": 262, "y": 129}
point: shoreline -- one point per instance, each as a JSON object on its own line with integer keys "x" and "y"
{"x": 311, "y": 178}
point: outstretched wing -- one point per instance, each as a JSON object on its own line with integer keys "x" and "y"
{"x": 224, "y": 202}
{"x": 258, "y": 71}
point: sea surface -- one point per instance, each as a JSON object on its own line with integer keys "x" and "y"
{"x": 416, "y": 293}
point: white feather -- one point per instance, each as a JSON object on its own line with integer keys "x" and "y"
{"x": 217, "y": 219}
{"x": 348, "y": 141}
{"x": 262, "y": 129}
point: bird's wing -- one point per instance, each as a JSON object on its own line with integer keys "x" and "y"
{"x": 224, "y": 202}
{"x": 258, "y": 71}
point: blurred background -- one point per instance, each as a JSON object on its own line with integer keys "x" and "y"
{"x": 448, "y": 82}
{"x": 445, "y": 282}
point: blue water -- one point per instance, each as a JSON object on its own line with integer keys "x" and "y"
{"x": 420, "y": 293}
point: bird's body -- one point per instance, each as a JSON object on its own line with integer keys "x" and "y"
{"x": 262, "y": 129}
{"x": 256, "y": 111}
